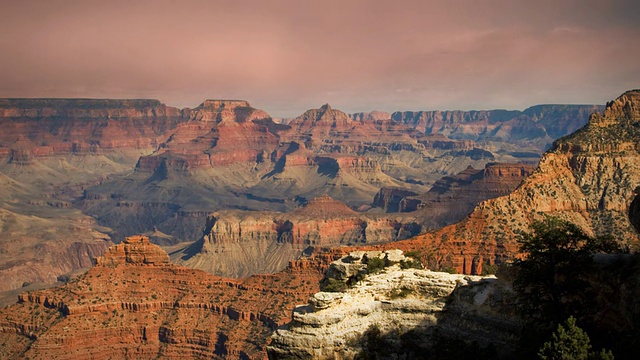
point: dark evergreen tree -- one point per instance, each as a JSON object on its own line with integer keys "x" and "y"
{"x": 552, "y": 275}
{"x": 556, "y": 255}
{"x": 570, "y": 342}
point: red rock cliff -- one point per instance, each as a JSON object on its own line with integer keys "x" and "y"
{"x": 588, "y": 178}
{"x": 134, "y": 304}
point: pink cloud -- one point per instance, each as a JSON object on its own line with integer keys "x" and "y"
{"x": 287, "y": 56}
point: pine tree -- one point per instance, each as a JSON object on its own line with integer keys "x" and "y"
{"x": 570, "y": 342}
{"x": 567, "y": 342}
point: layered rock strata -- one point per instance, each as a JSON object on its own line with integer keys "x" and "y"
{"x": 452, "y": 198}
{"x": 396, "y": 305}
{"x": 134, "y": 303}
{"x": 588, "y": 178}
{"x": 38, "y": 128}
{"x": 139, "y": 166}
{"x": 538, "y": 125}
{"x": 239, "y": 244}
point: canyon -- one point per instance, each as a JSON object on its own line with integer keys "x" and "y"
{"x": 588, "y": 178}
{"x": 79, "y": 175}
{"x": 147, "y": 306}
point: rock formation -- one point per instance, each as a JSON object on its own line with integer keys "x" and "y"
{"x": 397, "y": 305}
{"x": 134, "y": 303}
{"x": 452, "y": 198}
{"x": 38, "y": 128}
{"x": 538, "y": 125}
{"x": 588, "y": 178}
{"x": 242, "y": 243}
{"x": 399, "y": 312}
{"x": 231, "y": 155}
{"x": 136, "y": 250}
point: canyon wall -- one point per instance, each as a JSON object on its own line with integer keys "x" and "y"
{"x": 134, "y": 303}
{"x": 539, "y": 124}
{"x": 588, "y": 178}
{"x": 239, "y": 244}
{"x": 77, "y": 170}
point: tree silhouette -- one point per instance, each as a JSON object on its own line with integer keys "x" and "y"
{"x": 569, "y": 342}
{"x": 552, "y": 276}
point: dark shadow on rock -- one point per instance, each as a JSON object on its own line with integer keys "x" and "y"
{"x": 328, "y": 166}
{"x": 634, "y": 210}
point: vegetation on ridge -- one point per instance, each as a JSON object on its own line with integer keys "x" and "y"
{"x": 552, "y": 281}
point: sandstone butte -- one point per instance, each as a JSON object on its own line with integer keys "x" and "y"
{"x": 135, "y": 304}
{"x": 589, "y": 178}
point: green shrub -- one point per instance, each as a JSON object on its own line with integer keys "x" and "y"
{"x": 334, "y": 285}
{"x": 410, "y": 264}
{"x": 402, "y": 292}
{"x": 375, "y": 265}
{"x": 570, "y": 342}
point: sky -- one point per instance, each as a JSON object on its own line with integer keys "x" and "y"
{"x": 292, "y": 55}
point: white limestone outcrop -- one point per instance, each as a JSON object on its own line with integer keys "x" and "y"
{"x": 395, "y": 301}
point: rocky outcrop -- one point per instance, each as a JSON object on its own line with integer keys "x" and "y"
{"x": 389, "y": 198}
{"x": 238, "y": 244}
{"x": 134, "y": 250}
{"x": 398, "y": 312}
{"x": 401, "y": 312}
{"x": 134, "y": 303}
{"x": 587, "y": 178}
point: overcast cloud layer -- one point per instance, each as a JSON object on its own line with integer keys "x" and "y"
{"x": 289, "y": 56}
